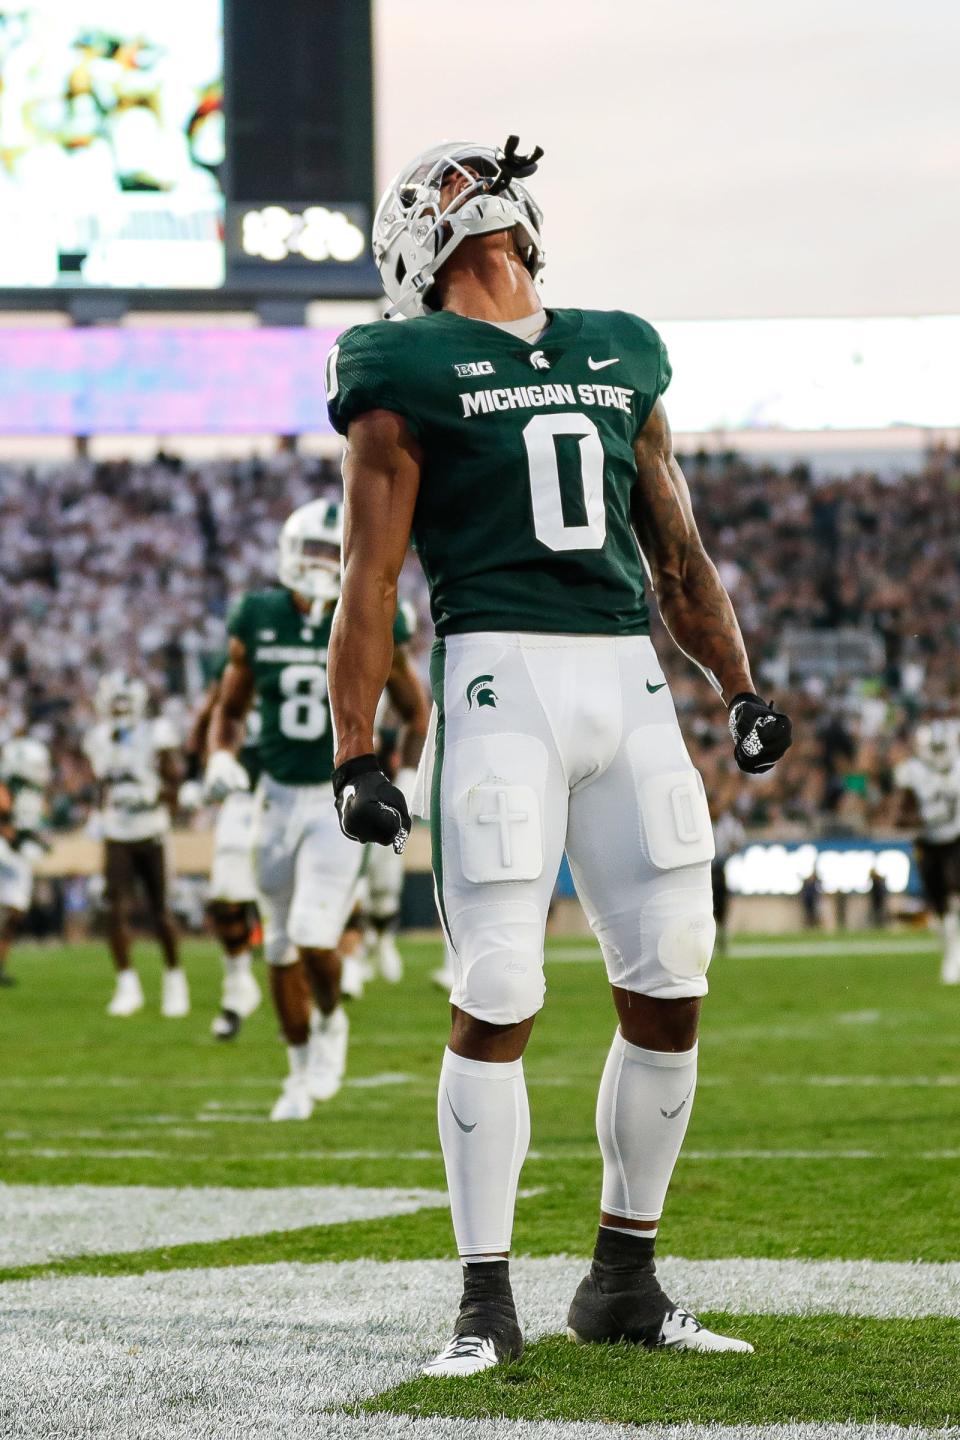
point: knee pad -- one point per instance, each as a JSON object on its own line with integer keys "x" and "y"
{"x": 313, "y": 928}
{"x": 500, "y": 953}
{"x": 278, "y": 951}
{"x": 231, "y": 919}
{"x": 677, "y": 925}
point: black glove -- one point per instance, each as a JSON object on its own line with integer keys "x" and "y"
{"x": 760, "y": 733}
{"x": 370, "y": 808}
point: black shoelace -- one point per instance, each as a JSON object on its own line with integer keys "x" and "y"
{"x": 467, "y": 1347}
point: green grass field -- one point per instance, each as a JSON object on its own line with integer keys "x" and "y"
{"x": 827, "y": 1128}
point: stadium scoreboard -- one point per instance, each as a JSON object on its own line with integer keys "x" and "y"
{"x": 185, "y": 151}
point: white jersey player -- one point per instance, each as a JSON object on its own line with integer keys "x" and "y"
{"x": 24, "y": 776}
{"x": 385, "y": 868}
{"x": 929, "y": 782}
{"x": 232, "y": 895}
{"x": 135, "y": 760}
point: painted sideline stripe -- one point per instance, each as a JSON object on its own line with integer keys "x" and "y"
{"x": 263, "y": 1349}
{"x": 554, "y": 1153}
{"x": 382, "y": 1426}
{"x": 779, "y": 949}
{"x": 49, "y": 1222}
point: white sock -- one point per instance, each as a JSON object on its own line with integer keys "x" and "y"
{"x": 951, "y": 931}
{"x": 237, "y": 964}
{"x": 642, "y": 1112}
{"x": 484, "y": 1124}
{"x": 299, "y": 1056}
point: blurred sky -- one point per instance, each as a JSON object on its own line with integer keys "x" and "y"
{"x": 753, "y": 158}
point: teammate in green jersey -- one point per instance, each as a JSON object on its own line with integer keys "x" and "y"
{"x": 528, "y": 454}
{"x": 306, "y": 871}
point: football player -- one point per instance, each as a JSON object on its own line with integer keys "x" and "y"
{"x": 528, "y": 453}
{"x": 928, "y": 786}
{"x": 137, "y": 763}
{"x": 729, "y": 836}
{"x": 306, "y": 871}
{"x": 24, "y": 776}
{"x": 384, "y": 871}
{"x": 232, "y": 902}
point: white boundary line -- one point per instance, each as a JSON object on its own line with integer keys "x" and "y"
{"x": 556, "y": 1153}
{"x": 264, "y": 1350}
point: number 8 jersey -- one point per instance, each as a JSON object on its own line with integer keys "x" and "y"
{"x": 523, "y": 517}
{"x": 288, "y": 656}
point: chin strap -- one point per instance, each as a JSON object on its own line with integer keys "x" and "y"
{"x": 514, "y": 166}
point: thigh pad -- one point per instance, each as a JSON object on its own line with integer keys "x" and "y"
{"x": 494, "y": 786}
{"x": 674, "y": 816}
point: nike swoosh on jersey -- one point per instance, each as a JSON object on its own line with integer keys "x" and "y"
{"x": 654, "y": 688}
{"x": 602, "y": 364}
{"x": 465, "y": 1128}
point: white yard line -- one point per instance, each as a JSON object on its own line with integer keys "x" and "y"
{"x": 403, "y": 1427}
{"x": 898, "y": 945}
{"x": 262, "y": 1351}
{"x": 548, "y": 1154}
{"x": 48, "y": 1222}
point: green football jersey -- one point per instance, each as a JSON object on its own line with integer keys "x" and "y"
{"x": 523, "y": 517}
{"x": 288, "y": 655}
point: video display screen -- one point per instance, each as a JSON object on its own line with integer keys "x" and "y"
{"x": 114, "y": 381}
{"x": 111, "y": 144}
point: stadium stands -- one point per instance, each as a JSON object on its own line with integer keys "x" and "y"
{"x": 848, "y": 592}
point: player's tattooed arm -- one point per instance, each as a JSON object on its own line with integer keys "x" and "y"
{"x": 234, "y": 697}
{"x": 693, "y": 601}
{"x": 410, "y": 702}
{"x": 381, "y": 477}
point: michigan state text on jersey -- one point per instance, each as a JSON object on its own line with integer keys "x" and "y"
{"x": 528, "y": 456}
{"x": 554, "y": 551}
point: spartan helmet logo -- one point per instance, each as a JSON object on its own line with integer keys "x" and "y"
{"x": 479, "y": 690}
{"x": 539, "y": 361}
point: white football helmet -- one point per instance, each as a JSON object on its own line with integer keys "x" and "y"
{"x": 413, "y": 234}
{"x": 309, "y": 557}
{"x": 24, "y": 758}
{"x": 121, "y": 697}
{"x": 938, "y": 744}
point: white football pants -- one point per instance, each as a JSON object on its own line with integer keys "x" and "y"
{"x": 231, "y": 874}
{"x": 551, "y": 742}
{"x": 306, "y": 869}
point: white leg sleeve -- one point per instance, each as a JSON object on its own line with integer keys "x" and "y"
{"x": 484, "y": 1124}
{"x": 642, "y": 1112}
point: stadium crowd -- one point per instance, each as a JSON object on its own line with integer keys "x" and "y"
{"x": 121, "y": 564}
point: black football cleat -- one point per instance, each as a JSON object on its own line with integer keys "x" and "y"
{"x": 487, "y": 1331}
{"x": 612, "y": 1305}
{"x": 226, "y": 1025}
